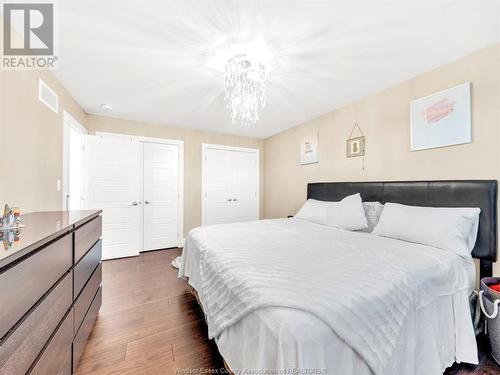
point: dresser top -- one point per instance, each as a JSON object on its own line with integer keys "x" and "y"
{"x": 39, "y": 229}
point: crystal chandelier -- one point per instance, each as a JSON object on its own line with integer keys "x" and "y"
{"x": 245, "y": 91}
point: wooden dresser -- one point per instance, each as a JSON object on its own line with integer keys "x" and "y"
{"x": 50, "y": 292}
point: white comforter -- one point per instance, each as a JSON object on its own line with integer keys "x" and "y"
{"x": 364, "y": 288}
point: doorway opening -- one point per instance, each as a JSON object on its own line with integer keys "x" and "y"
{"x": 73, "y": 163}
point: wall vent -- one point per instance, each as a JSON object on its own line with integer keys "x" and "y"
{"x": 47, "y": 96}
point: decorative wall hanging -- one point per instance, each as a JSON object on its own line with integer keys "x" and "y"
{"x": 441, "y": 119}
{"x": 309, "y": 152}
{"x": 356, "y": 145}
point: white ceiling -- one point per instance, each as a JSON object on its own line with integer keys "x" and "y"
{"x": 163, "y": 62}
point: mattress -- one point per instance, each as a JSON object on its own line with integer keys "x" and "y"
{"x": 279, "y": 338}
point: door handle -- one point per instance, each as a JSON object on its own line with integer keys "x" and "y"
{"x": 229, "y": 200}
{"x": 147, "y": 202}
{"x": 234, "y": 199}
{"x": 135, "y": 203}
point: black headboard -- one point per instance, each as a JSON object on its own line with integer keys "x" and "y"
{"x": 466, "y": 193}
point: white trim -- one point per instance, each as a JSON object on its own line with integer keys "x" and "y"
{"x": 68, "y": 121}
{"x": 204, "y": 148}
{"x": 229, "y": 148}
{"x": 42, "y": 84}
{"x": 142, "y": 139}
{"x": 165, "y": 141}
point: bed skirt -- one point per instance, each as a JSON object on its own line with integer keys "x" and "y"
{"x": 195, "y": 294}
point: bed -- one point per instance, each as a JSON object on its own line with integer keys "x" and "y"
{"x": 287, "y": 295}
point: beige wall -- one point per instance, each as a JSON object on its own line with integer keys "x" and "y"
{"x": 384, "y": 119}
{"x": 31, "y": 141}
{"x": 31, "y": 145}
{"x": 193, "y": 140}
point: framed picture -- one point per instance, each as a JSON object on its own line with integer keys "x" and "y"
{"x": 309, "y": 152}
{"x": 355, "y": 147}
{"x": 441, "y": 119}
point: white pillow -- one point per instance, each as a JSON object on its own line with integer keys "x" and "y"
{"x": 451, "y": 229}
{"x": 373, "y": 210}
{"x": 347, "y": 214}
{"x": 313, "y": 210}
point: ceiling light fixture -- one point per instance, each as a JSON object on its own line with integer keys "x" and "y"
{"x": 244, "y": 89}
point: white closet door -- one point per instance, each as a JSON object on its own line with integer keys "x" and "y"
{"x": 218, "y": 179}
{"x": 112, "y": 183}
{"x": 231, "y": 183}
{"x": 244, "y": 187}
{"x": 161, "y": 196}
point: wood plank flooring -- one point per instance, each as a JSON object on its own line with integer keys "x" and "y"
{"x": 150, "y": 324}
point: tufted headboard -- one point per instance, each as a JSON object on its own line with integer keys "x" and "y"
{"x": 460, "y": 193}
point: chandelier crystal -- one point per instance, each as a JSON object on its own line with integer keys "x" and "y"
{"x": 245, "y": 90}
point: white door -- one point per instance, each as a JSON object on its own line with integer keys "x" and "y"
{"x": 112, "y": 183}
{"x": 245, "y": 186}
{"x": 231, "y": 184}
{"x": 218, "y": 180}
{"x": 161, "y": 196}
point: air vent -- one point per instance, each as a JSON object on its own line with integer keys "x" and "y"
{"x": 47, "y": 96}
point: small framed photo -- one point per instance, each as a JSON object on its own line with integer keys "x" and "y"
{"x": 355, "y": 147}
{"x": 309, "y": 152}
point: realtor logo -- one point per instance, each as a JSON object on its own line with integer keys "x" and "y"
{"x": 28, "y": 36}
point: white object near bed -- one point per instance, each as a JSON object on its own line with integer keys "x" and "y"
{"x": 293, "y": 269}
{"x": 451, "y": 229}
{"x": 347, "y": 214}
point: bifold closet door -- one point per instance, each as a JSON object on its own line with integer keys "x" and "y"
{"x": 231, "y": 183}
{"x": 161, "y": 196}
{"x": 112, "y": 167}
{"x": 244, "y": 186}
{"x": 218, "y": 180}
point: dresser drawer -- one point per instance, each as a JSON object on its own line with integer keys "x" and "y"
{"x": 55, "y": 356}
{"x": 19, "y": 350}
{"x": 83, "y": 333}
{"x": 83, "y": 270}
{"x": 83, "y": 302}
{"x": 22, "y": 285}
{"x": 86, "y": 236}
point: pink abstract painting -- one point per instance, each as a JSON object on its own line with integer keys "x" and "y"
{"x": 442, "y": 119}
{"x": 438, "y": 111}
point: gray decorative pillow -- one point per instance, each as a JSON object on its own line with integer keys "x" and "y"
{"x": 373, "y": 210}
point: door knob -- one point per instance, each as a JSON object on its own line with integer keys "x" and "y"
{"x": 147, "y": 202}
{"x": 229, "y": 200}
{"x": 135, "y": 203}
{"x": 234, "y": 199}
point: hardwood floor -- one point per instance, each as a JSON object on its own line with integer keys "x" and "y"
{"x": 150, "y": 323}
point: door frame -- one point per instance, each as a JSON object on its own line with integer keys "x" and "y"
{"x": 164, "y": 141}
{"x": 204, "y": 148}
{"x": 70, "y": 121}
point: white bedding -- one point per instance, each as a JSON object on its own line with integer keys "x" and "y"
{"x": 433, "y": 334}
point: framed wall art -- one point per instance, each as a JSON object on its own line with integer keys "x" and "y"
{"x": 441, "y": 119}
{"x": 356, "y": 147}
{"x": 309, "y": 152}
